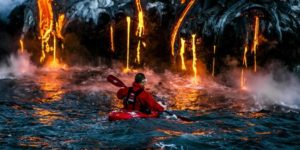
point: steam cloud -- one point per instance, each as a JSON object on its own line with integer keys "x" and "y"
{"x": 279, "y": 87}
{"x": 18, "y": 66}
{"x": 6, "y": 6}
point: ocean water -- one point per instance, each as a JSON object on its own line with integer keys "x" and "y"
{"x": 68, "y": 108}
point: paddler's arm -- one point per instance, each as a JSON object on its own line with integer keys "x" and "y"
{"x": 152, "y": 104}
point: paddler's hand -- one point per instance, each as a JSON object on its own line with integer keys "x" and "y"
{"x": 162, "y": 105}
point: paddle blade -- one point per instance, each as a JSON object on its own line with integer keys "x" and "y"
{"x": 115, "y": 81}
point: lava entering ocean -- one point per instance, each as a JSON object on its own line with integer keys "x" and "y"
{"x": 250, "y": 91}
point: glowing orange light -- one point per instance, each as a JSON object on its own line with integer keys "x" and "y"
{"x": 45, "y": 25}
{"x": 21, "y": 46}
{"x": 194, "y": 57}
{"x": 255, "y": 41}
{"x": 178, "y": 24}
{"x": 128, "y": 41}
{"x": 182, "y": 51}
{"x": 182, "y": 1}
{"x": 243, "y": 78}
{"x": 214, "y": 61}
{"x": 140, "y": 28}
{"x": 59, "y": 26}
{"x": 245, "y": 63}
{"x": 112, "y": 44}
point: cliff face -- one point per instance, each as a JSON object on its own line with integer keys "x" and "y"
{"x": 225, "y": 23}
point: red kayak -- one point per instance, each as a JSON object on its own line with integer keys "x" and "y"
{"x": 126, "y": 115}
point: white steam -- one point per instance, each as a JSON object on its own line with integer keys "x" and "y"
{"x": 276, "y": 88}
{"x": 6, "y": 6}
{"x": 17, "y": 66}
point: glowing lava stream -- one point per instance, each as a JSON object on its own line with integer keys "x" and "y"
{"x": 182, "y": 51}
{"x": 245, "y": 64}
{"x": 112, "y": 44}
{"x": 194, "y": 58}
{"x": 59, "y": 26}
{"x": 140, "y": 28}
{"x": 178, "y": 24}
{"x": 214, "y": 61}
{"x": 45, "y": 25}
{"x": 21, "y": 46}
{"x": 128, "y": 42}
{"x": 255, "y": 41}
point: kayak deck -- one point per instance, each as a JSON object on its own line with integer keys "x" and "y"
{"x": 127, "y": 115}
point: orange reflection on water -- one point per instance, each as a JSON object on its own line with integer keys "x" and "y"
{"x": 45, "y": 116}
{"x": 252, "y": 115}
{"x": 170, "y": 132}
{"x": 188, "y": 99}
{"x": 263, "y": 133}
{"x": 32, "y": 142}
{"x": 51, "y": 84}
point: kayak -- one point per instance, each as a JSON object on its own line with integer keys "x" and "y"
{"x": 127, "y": 115}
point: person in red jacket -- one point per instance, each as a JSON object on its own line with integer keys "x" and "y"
{"x": 135, "y": 98}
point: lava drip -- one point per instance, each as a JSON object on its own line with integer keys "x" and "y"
{"x": 178, "y": 24}
{"x": 140, "y": 28}
{"x": 21, "y": 46}
{"x": 112, "y": 44}
{"x": 45, "y": 25}
{"x": 128, "y": 19}
{"x": 194, "y": 58}
{"x": 245, "y": 65}
{"x": 59, "y": 26}
{"x": 255, "y": 41}
{"x": 182, "y": 51}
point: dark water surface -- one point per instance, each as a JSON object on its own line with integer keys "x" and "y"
{"x": 68, "y": 110}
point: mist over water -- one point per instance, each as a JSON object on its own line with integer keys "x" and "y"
{"x": 17, "y": 66}
{"x": 278, "y": 87}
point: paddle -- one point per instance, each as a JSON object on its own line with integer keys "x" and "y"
{"x": 117, "y": 82}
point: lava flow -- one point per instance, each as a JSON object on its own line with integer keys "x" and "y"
{"x": 128, "y": 43}
{"x": 178, "y": 24}
{"x": 112, "y": 43}
{"x": 59, "y": 26}
{"x": 140, "y": 28}
{"x": 255, "y": 41}
{"x": 245, "y": 65}
{"x": 21, "y": 46}
{"x": 45, "y": 25}
{"x": 182, "y": 51}
{"x": 194, "y": 58}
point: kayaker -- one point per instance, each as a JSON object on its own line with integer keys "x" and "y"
{"x": 135, "y": 98}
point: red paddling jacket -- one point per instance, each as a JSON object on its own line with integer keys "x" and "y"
{"x": 136, "y": 98}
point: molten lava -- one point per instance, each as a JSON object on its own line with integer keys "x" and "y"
{"x": 245, "y": 64}
{"x": 140, "y": 28}
{"x": 59, "y": 26}
{"x": 128, "y": 42}
{"x": 255, "y": 41}
{"x": 178, "y": 24}
{"x": 112, "y": 43}
{"x": 182, "y": 51}
{"x": 45, "y": 25}
{"x": 194, "y": 57}
{"x": 21, "y": 46}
